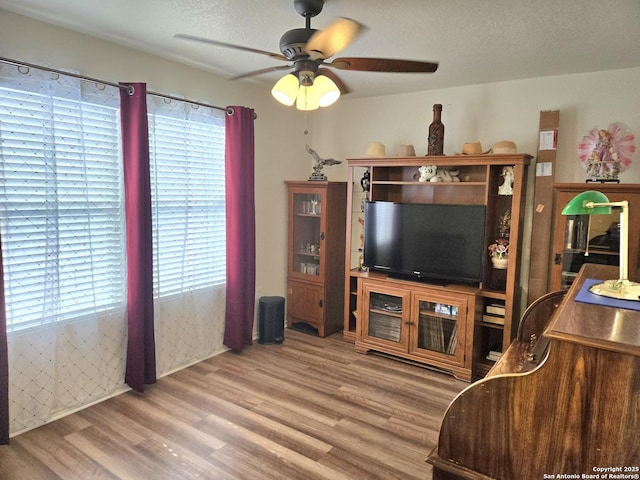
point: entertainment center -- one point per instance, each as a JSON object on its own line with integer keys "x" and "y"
{"x": 434, "y": 313}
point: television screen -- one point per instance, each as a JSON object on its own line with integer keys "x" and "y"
{"x": 430, "y": 242}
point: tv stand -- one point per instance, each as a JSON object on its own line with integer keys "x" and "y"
{"x": 493, "y": 307}
{"x": 429, "y": 324}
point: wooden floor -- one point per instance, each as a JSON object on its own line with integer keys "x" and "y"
{"x": 309, "y": 408}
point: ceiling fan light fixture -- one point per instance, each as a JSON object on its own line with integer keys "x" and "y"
{"x": 308, "y": 98}
{"x": 286, "y": 89}
{"x": 327, "y": 91}
{"x": 308, "y": 50}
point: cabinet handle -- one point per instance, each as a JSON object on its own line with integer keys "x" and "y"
{"x": 322, "y": 236}
{"x": 320, "y": 303}
{"x": 557, "y": 259}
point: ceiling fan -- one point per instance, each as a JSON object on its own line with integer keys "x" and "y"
{"x": 309, "y": 85}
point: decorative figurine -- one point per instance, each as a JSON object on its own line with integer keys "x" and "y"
{"x": 361, "y": 266}
{"x": 504, "y": 224}
{"x": 606, "y": 153}
{"x": 365, "y": 181}
{"x": 436, "y": 133}
{"x": 507, "y": 185}
{"x": 499, "y": 253}
{"x": 320, "y": 162}
{"x": 431, "y": 173}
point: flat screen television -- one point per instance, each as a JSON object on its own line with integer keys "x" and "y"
{"x": 436, "y": 243}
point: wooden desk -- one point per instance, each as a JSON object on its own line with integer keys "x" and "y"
{"x": 578, "y": 411}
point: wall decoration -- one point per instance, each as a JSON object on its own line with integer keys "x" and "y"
{"x": 605, "y": 153}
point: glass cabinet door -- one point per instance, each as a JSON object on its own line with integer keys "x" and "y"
{"x": 589, "y": 239}
{"x": 438, "y": 329}
{"x": 307, "y": 234}
{"x": 386, "y": 316}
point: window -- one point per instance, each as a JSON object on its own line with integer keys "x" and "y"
{"x": 187, "y": 146}
{"x": 61, "y": 195}
{"x": 61, "y": 198}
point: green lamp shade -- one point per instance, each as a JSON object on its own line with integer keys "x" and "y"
{"x": 578, "y": 205}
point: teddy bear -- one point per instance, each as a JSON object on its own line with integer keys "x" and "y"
{"x": 431, "y": 173}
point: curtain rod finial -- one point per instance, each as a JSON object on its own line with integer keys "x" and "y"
{"x": 230, "y": 112}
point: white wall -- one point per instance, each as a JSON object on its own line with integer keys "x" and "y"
{"x": 486, "y": 113}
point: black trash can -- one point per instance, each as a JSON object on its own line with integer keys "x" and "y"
{"x": 271, "y": 320}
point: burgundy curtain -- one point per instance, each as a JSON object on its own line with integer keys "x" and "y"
{"x": 141, "y": 357}
{"x": 4, "y": 364}
{"x": 241, "y": 231}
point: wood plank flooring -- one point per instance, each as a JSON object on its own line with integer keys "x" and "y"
{"x": 310, "y": 408}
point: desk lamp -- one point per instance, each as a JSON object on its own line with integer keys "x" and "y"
{"x": 592, "y": 202}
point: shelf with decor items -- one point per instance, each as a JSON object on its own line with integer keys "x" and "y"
{"x": 395, "y": 179}
{"x": 571, "y": 233}
{"x": 315, "y": 273}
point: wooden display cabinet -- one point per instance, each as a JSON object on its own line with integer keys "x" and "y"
{"x": 395, "y": 179}
{"x": 428, "y": 324}
{"x": 573, "y": 233}
{"x": 315, "y": 274}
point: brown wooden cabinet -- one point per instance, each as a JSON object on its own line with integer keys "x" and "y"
{"x": 573, "y": 233}
{"x": 428, "y": 324}
{"x": 396, "y": 180}
{"x": 315, "y": 274}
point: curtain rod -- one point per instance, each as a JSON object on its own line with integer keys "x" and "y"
{"x": 126, "y": 87}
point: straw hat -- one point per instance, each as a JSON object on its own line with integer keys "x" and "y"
{"x": 406, "y": 151}
{"x": 504, "y": 146}
{"x": 474, "y": 148}
{"x": 375, "y": 149}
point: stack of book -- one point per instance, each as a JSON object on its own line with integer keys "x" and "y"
{"x": 494, "y": 355}
{"x": 494, "y": 313}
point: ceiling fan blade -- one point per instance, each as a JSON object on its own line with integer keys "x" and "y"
{"x": 383, "y": 65}
{"x": 261, "y": 71}
{"x": 277, "y": 56}
{"x": 333, "y": 39}
{"x": 337, "y": 80}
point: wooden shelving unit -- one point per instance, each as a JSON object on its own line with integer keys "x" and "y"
{"x": 315, "y": 273}
{"x": 395, "y": 179}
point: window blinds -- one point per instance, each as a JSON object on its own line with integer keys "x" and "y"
{"x": 61, "y": 199}
{"x": 188, "y": 198}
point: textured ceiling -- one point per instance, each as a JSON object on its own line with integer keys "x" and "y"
{"x": 474, "y": 41}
